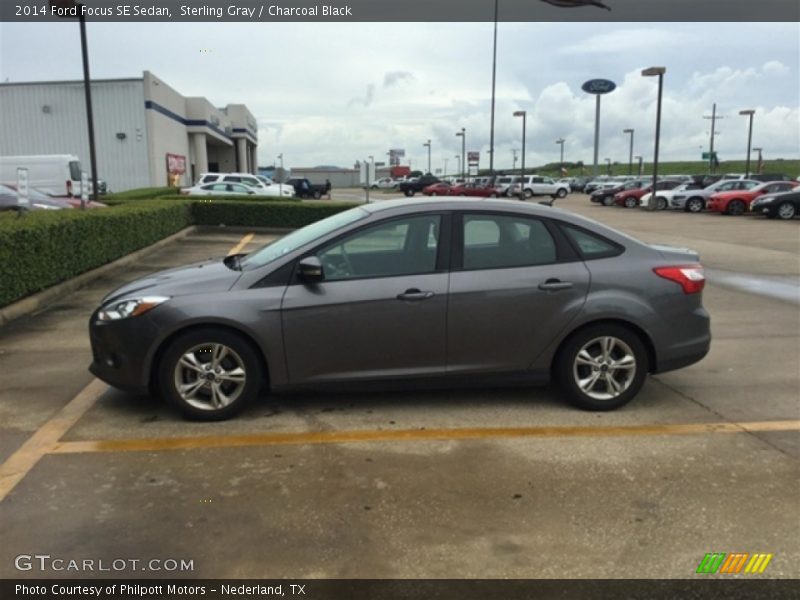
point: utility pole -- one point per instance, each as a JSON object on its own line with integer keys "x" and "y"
{"x": 713, "y": 119}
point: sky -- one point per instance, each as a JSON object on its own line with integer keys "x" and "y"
{"x": 334, "y": 94}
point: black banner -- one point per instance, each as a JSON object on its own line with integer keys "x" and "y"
{"x": 404, "y": 589}
{"x": 339, "y": 11}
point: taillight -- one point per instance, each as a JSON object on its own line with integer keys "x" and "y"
{"x": 690, "y": 277}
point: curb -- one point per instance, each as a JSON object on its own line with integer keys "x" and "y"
{"x": 38, "y": 300}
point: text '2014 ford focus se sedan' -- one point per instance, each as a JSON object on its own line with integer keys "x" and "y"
{"x": 411, "y": 293}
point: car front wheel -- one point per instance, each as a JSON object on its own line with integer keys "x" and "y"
{"x": 561, "y": 193}
{"x": 736, "y": 207}
{"x": 409, "y": 193}
{"x": 661, "y": 203}
{"x": 209, "y": 374}
{"x": 631, "y": 202}
{"x": 602, "y": 367}
{"x": 608, "y": 200}
{"x": 694, "y": 205}
{"x": 786, "y": 210}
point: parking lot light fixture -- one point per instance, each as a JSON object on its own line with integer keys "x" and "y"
{"x": 428, "y": 146}
{"x": 463, "y": 135}
{"x": 524, "y": 115}
{"x": 560, "y": 142}
{"x": 748, "y": 113}
{"x": 656, "y": 72}
{"x": 630, "y": 151}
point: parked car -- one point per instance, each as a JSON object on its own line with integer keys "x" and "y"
{"x": 579, "y": 183}
{"x": 303, "y": 188}
{"x": 388, "y": 293}
{"x": 8, "y": 201}
{"x": 263, "y": 185}
{"x": 384, "y": 183}
{"x": 537, "y": 185}
{"x": 695, "y": 200}
{"x": 605, "y": 194}
{"x": 35, "y": 195}
{"x": 414, "y": 185}
{"x": 441, "y": 188}
{"x": 474, "y": 189}
{"x": 737, "y": 202}
{"x": 663, "y": 197}
{"x": 236, "y": 189}
{"x": 503, "y": 183}
{"x": 765, "y": 177}
{"x": 785, "y": 205}
{"x": 630, "y": 198}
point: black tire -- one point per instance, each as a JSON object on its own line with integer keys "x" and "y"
{"x": 736, "y": 208}
{"x": 434, "y": 194}
{"x": 607, "y": 200}
{"x": 409, "y": 193}
{"x": 561, "y": 193}
{"x": 631, "y": 202}
{"x": 695, "y": 205}
{"x": 661, "y": 203}
{"x": 493, "y": 195}
{"x": 567, "y": 372}
{"x": 528, "y": 194}
{"x": 786, "y": 211}
{"x": 242, "y": 355}
{"x": 317, "y": 195}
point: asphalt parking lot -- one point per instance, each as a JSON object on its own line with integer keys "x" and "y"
{"x": 506, "y": 483}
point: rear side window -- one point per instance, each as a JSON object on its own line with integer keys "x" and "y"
{"x": 75, "y": 170}
{"x": 500, "y": 242}
{"x": 590, "y": 245}
{"x": 209, "y": 178}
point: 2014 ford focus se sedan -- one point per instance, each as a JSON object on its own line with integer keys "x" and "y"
{"x": 411, "y": 293}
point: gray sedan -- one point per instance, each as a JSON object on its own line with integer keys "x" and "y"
{"x": 411, "y": 294}
{"x": 695, "y": 200}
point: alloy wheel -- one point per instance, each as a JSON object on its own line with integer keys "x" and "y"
{"x": 210, "y": 377}
{"x": 604, "y": 368}
{"x": 786, "y": 210}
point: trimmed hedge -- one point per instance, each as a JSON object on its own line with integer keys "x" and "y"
{"x": 43, "y": 248}
{"x": 263, "y": 214}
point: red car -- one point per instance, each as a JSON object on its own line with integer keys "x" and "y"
{"x": 474, "y": 189}
{"x": 630, "y": 198}
{"x": 437, "y": 189}
{"x": 737, "y": 202}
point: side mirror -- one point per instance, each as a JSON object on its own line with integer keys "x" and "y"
{"x": 310, "y": 270}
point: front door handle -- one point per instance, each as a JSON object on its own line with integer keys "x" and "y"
{"x": 414, "y": 294}
{"x": 553, "y": 285}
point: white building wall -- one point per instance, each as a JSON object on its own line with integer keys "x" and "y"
{"x": 166, "y": 132}
{"x": 50, "y": 118}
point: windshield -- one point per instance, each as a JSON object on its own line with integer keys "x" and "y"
{"x": 301, "y": 237}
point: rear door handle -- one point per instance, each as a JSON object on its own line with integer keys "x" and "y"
{"x": 553, "y": 285}
{"x": 414, "y": 294}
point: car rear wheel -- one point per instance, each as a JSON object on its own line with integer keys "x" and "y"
{"x": 317, "y": 195}
{"x": 735, "y": 207}
{"x": 493, "y": 195}
{"x": 786, "y": 210}
{"x": 529, "y": 194}
{"x": 631, "y": 202}
{"x": 694, "y": 205}
{"x": 209, "y": 374}
{"x": 561, "y": 193}
{"x": 608, "y": 200}
{"x": 661, "y": 203}
{"x": 602, "y": 367}
{"x": 434, "y": 194}
{"x": 409, "y": 193}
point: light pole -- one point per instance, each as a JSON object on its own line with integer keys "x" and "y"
{"x": 445, "y": 167}
{"x": 280, "y": 158}
{"x": 514, "y": 154}
{"x": 560, "y": 142}
{"x": 639, "y": 158}
{"x": 748, "y": 113}
{"x": 494, "y": 78}
{"x": 428, "y": 146}
{"x": 523, "y": 114}
{"x": 463, "y": 135}
{"x": 608, "y": 166}
{"x": 630, "y": 152}
{"x": 458, "y": 158}
{"x": 652, "y": 72}
{"x": 758, "y": 165}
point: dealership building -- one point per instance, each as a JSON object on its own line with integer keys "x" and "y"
{"x": 146, "y": 133}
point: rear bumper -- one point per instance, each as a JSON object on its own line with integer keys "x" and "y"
{"x": 688, "y": 342}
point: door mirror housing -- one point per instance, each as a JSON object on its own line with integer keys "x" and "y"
{"x": 310, "y": 270}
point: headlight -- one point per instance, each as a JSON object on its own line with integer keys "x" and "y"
{"x": 765, "y": 199}
{"x": 132, "y": 307}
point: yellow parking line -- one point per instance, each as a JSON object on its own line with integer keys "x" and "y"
{"x": 17, "y": 466}
{"x": 242, "y": 243}
{"x": 407, "y": 435}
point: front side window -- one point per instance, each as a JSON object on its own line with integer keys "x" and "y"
{"x": 501, "y": 241}
{"x": 75, "y": 170}
{"x": 405, "y": 246}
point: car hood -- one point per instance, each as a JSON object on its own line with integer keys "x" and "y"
{"x": 208, "y": 276}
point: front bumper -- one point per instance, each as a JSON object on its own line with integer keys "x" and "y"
{"x": 122, "y": 351}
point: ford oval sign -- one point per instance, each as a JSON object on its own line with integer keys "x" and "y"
{"x": 598, "y": 86}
